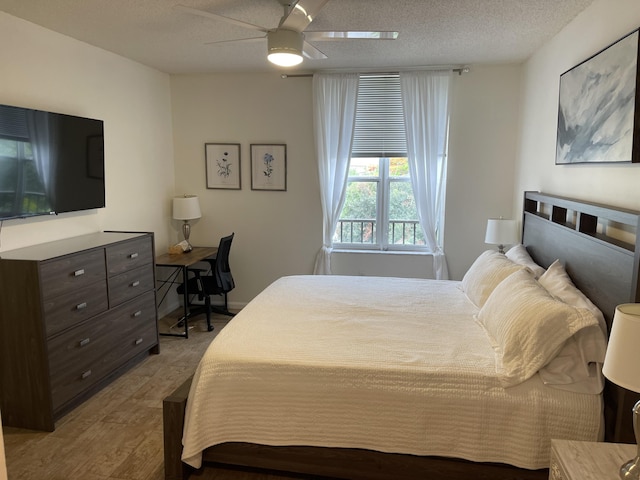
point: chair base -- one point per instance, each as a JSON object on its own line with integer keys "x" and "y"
{"x": 208, "y": 309}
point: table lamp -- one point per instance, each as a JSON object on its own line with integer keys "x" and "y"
{"x": 186, "y": 207}
{"x": 501, "y": 232}
{"x": 622, "y": 367}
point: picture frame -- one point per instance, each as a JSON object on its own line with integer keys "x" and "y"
{"x": 598, "y": 111}
{"x": 269, "y": 167}
{"x": 222, "y": 163}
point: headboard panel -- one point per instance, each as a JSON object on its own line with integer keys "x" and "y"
{"x": 603, "y": 267}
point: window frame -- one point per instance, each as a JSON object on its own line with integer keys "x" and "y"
{"x": 383, "y": 207}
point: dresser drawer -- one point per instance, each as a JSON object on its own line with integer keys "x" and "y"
{"x": 129, "y": 255}
{"x": 130, "y": 284}
{"x": 136, "y": 326}
{"x": 83, "y": 355}
{"x": 76, "y": 358}
{"x": 68, "y": 273}
{"x": 64, "y": 311}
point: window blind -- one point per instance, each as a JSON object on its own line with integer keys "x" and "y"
{"x": 13, "y": 123}
{"x": 379, "y": 129}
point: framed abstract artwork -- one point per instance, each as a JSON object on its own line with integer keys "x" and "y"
{"x": 222, "y": 162}
{"x": 269, "y": 167}
{"x": 598, "y": 114}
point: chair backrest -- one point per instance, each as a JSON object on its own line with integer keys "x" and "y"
{"x": 222, "y": 272}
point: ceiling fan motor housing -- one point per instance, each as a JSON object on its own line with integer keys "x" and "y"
{"x": 283, "y": 41}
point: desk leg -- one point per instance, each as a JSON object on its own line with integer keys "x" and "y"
{"x": 185, "y": 300}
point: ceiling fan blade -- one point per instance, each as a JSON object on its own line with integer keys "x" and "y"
{"x": 302, "y": 14}
{"x": 349, "y": 35}
{"x": 215, "y": 16}
{"x": 311, "y": 52}
{"x": 237, "y": 40}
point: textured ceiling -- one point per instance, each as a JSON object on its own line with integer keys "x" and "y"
{"x": 432, "y": 32}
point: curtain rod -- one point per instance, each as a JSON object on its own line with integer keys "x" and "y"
{"x": 458, "y": 70}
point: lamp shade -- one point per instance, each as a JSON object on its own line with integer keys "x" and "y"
{"x": 284, "y": 47}
{"x": 186, "y": 207}
{"x": 622, "y": 361}
{"x": 501, "y": 231}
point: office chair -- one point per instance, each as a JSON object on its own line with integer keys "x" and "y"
{"x": 219, "y": 282}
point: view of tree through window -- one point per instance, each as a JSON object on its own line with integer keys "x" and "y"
{"x": 379, "y": 206}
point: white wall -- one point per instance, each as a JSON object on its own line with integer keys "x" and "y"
{"x": 48, "y": 71}
{"x": 482, "y": 148}
{"x": 604, "y": 22}
{"x": 279, "y": 233}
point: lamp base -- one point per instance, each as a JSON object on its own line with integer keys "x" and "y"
{"x": 186, "y": 231}
{"x": 631, "y": 470}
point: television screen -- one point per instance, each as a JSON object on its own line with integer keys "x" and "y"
{"x": 49, "y": 163}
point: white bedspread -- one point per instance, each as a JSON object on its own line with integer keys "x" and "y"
{"x": 388, "y": 364}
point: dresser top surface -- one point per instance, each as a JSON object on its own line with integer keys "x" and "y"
{"x": 66, "y": 246}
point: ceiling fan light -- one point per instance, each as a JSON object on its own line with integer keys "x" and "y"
{"x": 284, "y": 59}
{"x": 285, "y": 47}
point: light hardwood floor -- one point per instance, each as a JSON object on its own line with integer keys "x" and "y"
{"x": 117, "y": 433}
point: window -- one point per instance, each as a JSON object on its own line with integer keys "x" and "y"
{"x": 379, "y": 211}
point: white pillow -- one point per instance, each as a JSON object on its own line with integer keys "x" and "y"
{"x": 577, "y": 366}
{"x": 527, "y": 326}
{"x": 488, "y": 270}
{"x": 518, "y": 254}
{"x": 557, "y": 282}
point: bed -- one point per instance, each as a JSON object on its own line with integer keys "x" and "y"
{"x": 347, "y": 381}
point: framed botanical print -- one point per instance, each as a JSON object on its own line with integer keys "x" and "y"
{"x": 268, "y": 167}
{"x": 222, "y": 162}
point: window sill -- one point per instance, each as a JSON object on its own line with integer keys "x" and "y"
{"x": 383, "y": 252}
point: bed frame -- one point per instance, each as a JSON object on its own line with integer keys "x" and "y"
{"x": 581, "y": 235}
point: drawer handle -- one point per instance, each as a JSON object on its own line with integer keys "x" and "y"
{"x": 138, "y": 341}
{"x": 81, "y": 306}
{"x": 85, "y": 374}
{"x": 84, "y": 342}
{"x": 133, "y": 255}
{"x": 77, "y": 273}
{"x": 137, "y": 314}
{"x": 136, "y": 283}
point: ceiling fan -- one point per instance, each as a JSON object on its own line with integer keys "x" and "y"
{"x": 288, "y": 42}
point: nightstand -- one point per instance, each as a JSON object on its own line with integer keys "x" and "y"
{"x": 572, "y": 460}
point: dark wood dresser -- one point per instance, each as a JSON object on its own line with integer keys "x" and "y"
{"x": 74, "y": 314}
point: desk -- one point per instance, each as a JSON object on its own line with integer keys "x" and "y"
{"x": 183, "y": 261}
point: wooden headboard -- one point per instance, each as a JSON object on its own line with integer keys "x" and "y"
{"x": 599, "y": 246}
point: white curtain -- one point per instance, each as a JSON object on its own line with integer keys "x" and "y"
{"x": 334, "y": 102}
{"x": 425, "y": 100}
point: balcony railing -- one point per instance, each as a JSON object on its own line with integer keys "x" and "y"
{"x": 402, "y": 232}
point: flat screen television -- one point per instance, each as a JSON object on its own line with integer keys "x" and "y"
{"x": 50, "y": 163}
